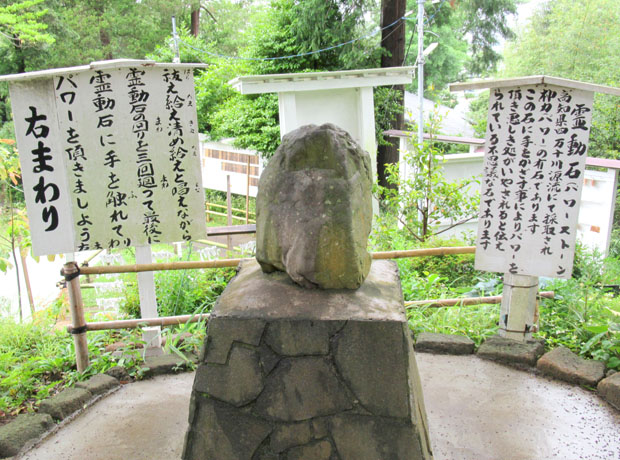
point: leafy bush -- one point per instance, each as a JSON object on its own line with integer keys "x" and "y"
{"x": 181, "y": 292}
{"x": 37, "y": 361}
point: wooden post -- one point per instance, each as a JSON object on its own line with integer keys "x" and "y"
{"x": 247, "y": 195}
{"x": 228, "y": 213}
{"x": 208, "y": 213}
{"x": 148, "y": 302}
{"x": 27, "y": 280}
{"x": 71, "y": 274}
{"x": 518, "y": 309}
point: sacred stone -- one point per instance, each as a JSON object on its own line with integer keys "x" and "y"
{"x": 314, "y": 209}
{"x": 309, "y": 374}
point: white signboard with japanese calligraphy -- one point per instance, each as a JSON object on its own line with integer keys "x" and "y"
{"x": 537, "y": 139}
{"x": 110, "y": 158}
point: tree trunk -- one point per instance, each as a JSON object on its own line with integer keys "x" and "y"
{"x": 393, "y": 40}
{"x": 195, "y": 23}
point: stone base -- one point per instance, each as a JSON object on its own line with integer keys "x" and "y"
{"x": 292, "y": 373}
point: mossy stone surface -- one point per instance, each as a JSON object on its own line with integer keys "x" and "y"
{"x": 314, "y": 209}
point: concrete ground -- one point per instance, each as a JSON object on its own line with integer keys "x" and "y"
{"x": 477, "y": 410}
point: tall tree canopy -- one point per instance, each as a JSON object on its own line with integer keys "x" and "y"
{"x": 576, "y": 39}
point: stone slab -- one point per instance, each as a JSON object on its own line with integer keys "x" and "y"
{"x": 65, "y": 403}
{"x": 511, "y": 352}
{"x": 449, "y": 344}
{"x": 359, "y": 437}
{"x": 119, "y": 373}
{"x": 609, "y": 389}
{"x": 319, "y": 450}
{"x": 563, "y": 364}
{"x": 24, "y": 428}
{"x": 254, "y": 294}
{"x": 237, "y": 383}
{"x": 227, "y": 331}
{"x": 166, "y": 364}
{"x": 297, "y": 338}
{"x": 301, "y": 389}
{"x": 365, "y": 352}
{"x": 98, "y": 384}
{"x": 233, "y": 435}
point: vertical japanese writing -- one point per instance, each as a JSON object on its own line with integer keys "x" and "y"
{"x": 66, "y": 88}
{"x": 103, "y": 102}
{"x": 46, "y": 191}
{"x": 138, "y": 99}
{"x": 535, "y": 157}
{"x": 177, "y": 151}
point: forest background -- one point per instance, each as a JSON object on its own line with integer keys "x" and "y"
{"x": 575, "y": 39}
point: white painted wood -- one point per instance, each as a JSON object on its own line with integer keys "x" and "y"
{"x": 518, "y": 308}
{"x": 535, "y": 80}
{"x": 287, "y": 104}
{"x": 278, "y": 83}
{"x": 537, "y": 138}
{"x": 123, "y": 150}
{"x": 148, "y": 297}
{"x": 113, "y": 63}
{"x": 44, "y": 175}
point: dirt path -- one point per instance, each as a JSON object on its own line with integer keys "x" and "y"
{"x": 477, "y": 410}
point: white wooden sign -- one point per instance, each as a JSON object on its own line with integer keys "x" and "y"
{"x": 109, "y": 157}
{"x": 537, "y": 140}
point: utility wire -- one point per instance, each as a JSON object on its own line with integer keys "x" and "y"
{"x": 292, "y": 56}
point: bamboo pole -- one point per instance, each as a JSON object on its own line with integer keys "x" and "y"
{"x": 134, "y": 323}
{"x": 27, "y": 280}
{"x": 188, "y": 265}
{"x": 208, "y": 212}
{"x": 71, "y": 273}
{"x": 424, "y": 252}
{"x": 464, "y": 301}
{"x": 229, "y": 214}
{"x": 223, "y": 206}
{"x": 214, "y": 213}
{"x": 179, "y": 265}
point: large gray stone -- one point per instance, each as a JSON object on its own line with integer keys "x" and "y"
{"x": 319, "y": 450}
{"x": 301, "y": 389}
{"x": 314, "y": 209}
{"x": 609, "y": 389}
{"x": 288, "y": 435}
{"x": 222, "y": 332}
{"x": 167, "y": 364}
{"x": 24, "y": 428}
{"x": 238, "y": 382}
{"x": 450, "y": 344}
{"x": 221, "y": 432}
{"x": 563, "y": 364}
{"x": 98, "y": 384}
{"x": 359, "y": 437}
{"x": 65, "y": 403}
{"x": 511, "y": 352}
{"x": 297, "y": 338}
{"x": 371, "y": 358}
{"x": 254, "y": 294}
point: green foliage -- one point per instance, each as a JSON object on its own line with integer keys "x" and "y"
{"x": 37, "y": 361}
{"x": 251, "y": 120}
{"x": 583, "y": 316}
{"x": 423, "y": 199}
{"x": 478, "y": 111}
{"x": 180, "y": 292}
{"x": 573, "y": 39}
{"x": 20, "y": 23}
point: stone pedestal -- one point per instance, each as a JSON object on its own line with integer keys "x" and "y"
{"x": 292, "y": 373}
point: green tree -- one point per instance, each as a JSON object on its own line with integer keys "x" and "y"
{"x": 424, "y": 200}
{"x": 576, "y": 39}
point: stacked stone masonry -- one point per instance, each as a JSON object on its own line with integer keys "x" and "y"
{"x": 293, "y": 387}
